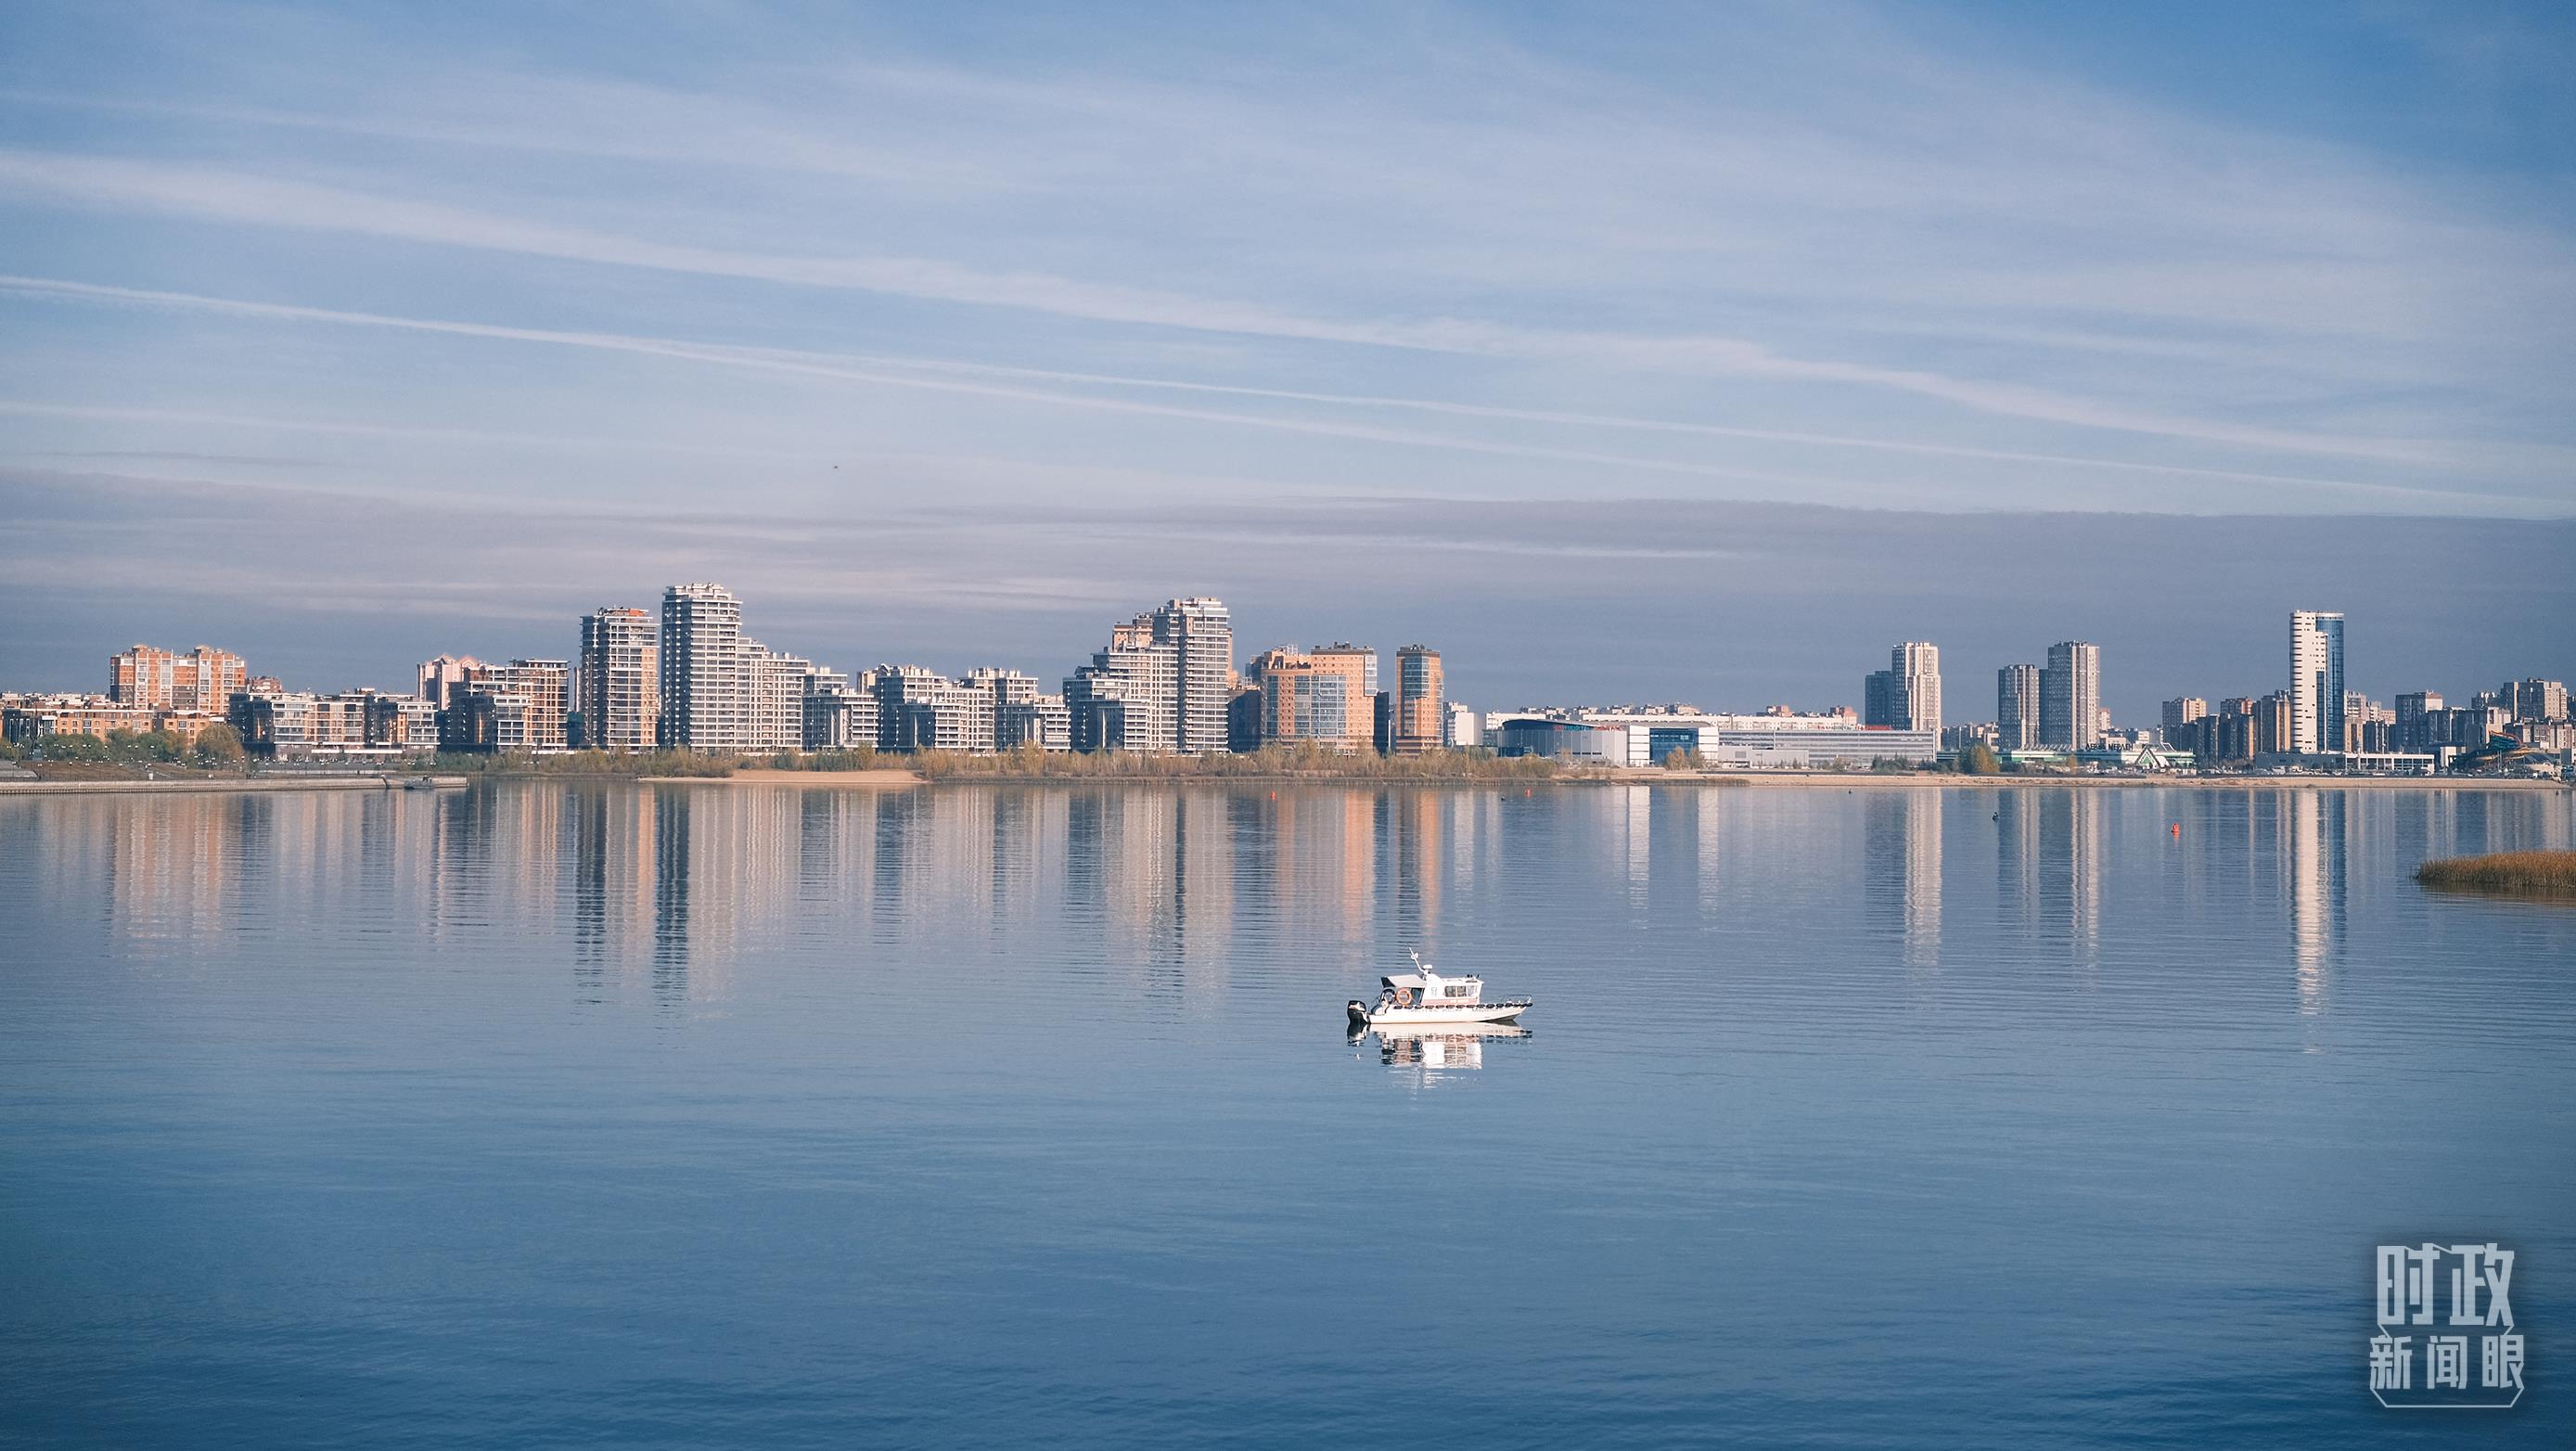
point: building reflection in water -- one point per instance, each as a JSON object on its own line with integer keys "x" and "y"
{"x": 2050, "y": 844}
{"x": 2312, "y": 857}
{"x": 671, "y": 810}
{"x": 168, "y": 873}
{"x": 1901, "y": 833}
{"x": 1410, "y": 825}
{"x": 1172, "y": 879}
{"x": 2077, "y": 857}
{"x": 670, "y": 887}
{"x": 612, "y": 878}
{"x": 1708, "y": 844}
{"x": 2016, "y": 815}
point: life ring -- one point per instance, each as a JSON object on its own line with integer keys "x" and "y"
{"x": 1404, "y": 997}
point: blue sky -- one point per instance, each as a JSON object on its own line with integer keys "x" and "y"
{"x": 782, "y": 264}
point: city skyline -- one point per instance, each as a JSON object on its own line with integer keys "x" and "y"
{"x": 1171, "y": 681}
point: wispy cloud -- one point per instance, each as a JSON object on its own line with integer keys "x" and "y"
{"x": 276, "y": 202}
{"x": 950, "y": 376}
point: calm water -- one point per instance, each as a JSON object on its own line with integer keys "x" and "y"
{"x": 759, "y": 1116}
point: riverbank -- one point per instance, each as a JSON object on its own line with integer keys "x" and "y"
{"x": 201, "y": 785}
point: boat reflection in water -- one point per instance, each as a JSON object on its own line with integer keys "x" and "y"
{"x": 1441, "y": 1046}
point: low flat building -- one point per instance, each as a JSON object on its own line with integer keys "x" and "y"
{"x": 1556, "y": 738}
{"x": 2390, "y": 763}
{"x": 351, "y": 723}
{"x": 1742, "y": 742}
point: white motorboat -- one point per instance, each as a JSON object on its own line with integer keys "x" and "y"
{"x": 1428, "y": 998}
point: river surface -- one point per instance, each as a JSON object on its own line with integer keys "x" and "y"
{"x": 759, "y": 1116}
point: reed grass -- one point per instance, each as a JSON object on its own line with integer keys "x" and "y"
{"x": 2552, "y": 872}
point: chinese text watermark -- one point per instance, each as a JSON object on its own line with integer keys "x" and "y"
{"x": 2435, "y": 1350}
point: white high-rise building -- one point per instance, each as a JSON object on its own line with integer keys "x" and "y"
{"x": 1917, "y": 666}
{"x": 619, "y": 693}
{"x": 721, "y": 689}
{"x": 1203, "y": 634}
{"x": 1162, "y": 685}
{"x": 2316, "y": 682}
{"x": 706, "y": 701}
{"x": 2070, "y": 696}
{"x": 1123, "y": 700}
{"x": 774, "y": 689}
{"x": 1906, "y": 696}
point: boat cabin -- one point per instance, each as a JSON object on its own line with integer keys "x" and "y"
{"x": 1429, "y": 989}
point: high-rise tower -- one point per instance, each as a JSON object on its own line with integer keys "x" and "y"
{"x": 2017, "y": 707}
{"x": 1907, "y": 694}
{"x": 1163, "y": 684}
{"x": 1418, "y": 713}
{"x": 619, "y": 693}
{"x": 2316, "y": 682}
{"x": 2070, "y": 696}
{"x": 706, "y": 701}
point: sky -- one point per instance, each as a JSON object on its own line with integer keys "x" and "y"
{"x": 1638, "y": 353}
